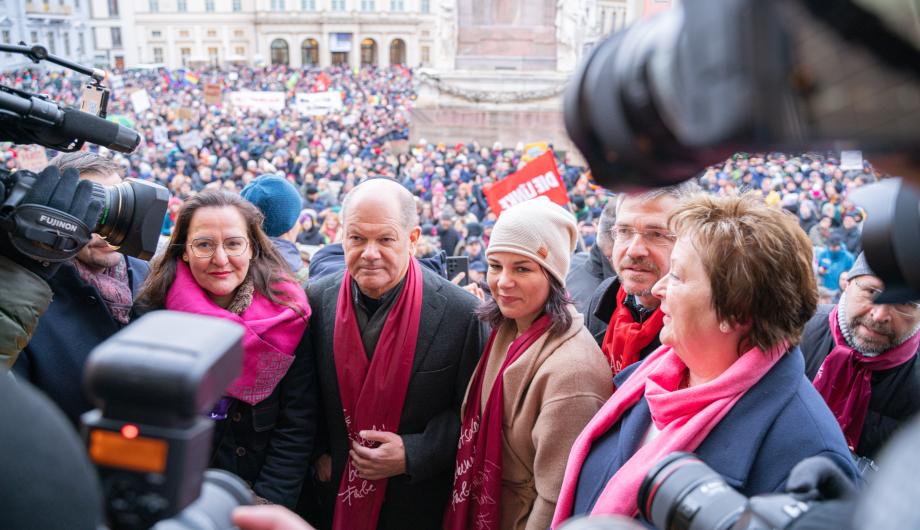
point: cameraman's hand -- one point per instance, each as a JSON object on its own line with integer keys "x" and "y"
{"x": 64, "y": 192}
{"x": 819, "y": 478}
{"x": 268, "y": 518}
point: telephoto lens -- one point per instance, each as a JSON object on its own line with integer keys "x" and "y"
{"x": 132, "y": 216}
{"x": 683, "y": 493}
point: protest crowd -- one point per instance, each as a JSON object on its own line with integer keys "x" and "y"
{"x": 587, "y": 336}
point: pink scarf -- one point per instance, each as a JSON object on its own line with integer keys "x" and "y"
{"x": 113, "y": 285}
{"x": 272, "y": 332}
{"x": 685, "y": 418}
{"x": 372, "y": 391}
{"x": 478, "y": 474}
{"x": 845, "y": 379}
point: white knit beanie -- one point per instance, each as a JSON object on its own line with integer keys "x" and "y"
{"x": 540, "y": 230}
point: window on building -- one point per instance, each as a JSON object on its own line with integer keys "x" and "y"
{"x": 426, "y": 55}
{"x": 425, "y": 6}
{"x": 213, "y": 56}
{"x": 182, "y": 6}
{"x": 158, "y": 55}
{"x": 66, "y": 38}
{"x": 238, "y": 33}
{"x": 237, "y": 5}
{"x": 308, "y": 5}
{"x": 76, "y": 4}
{"x": 277, "y": 5}
{"x": 209, "y": 6}
{"x": 398, "y": 52}
{"x": 156, "y": 34}
{"x": 367, "y": 5}
{"x": 309, "y": 52}
{"x": 34, "y": 36}
{"x": 116, "y": 37}
{"x": 338, "y": 5}
{"x": 212, "y": 33}
{"x": 279, "y": 49}
{"x": 51, "y": 47}
{"x": 185, "y": 54}
{"x": 154, "y": 6}
{"x": 7, "y": 40}
{"x": 183, "y": 33}
{"x": 240, "y": 51}
{"x": 368, "y": 52}
{"x": 113, "y": 8}
{"x": 397, "y": 5}
{"x": 81, "y": 43}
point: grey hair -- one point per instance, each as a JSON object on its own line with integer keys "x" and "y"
{"x": 407, "y": 209}
{"x": 677, "y": 191}
{"x": 606, "y": 221}
{"x": 87, "y": 162}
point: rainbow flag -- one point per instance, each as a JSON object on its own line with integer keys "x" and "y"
{"x": 191, "y": 78}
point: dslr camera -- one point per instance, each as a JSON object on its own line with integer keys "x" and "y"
{"x": 132, "y": 213}
{"x": 658, "y": 102}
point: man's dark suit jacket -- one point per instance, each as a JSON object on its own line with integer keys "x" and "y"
{"x": 448, "y": 348}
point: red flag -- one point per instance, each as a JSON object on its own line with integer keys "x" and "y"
{"x": 323, "y": 82}
{"x": 539, "y": 177}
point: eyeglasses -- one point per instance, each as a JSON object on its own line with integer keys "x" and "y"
{"x": 659, "y": 238}
{"x": 205, "y": 248}
{"x": 868, "y": 295}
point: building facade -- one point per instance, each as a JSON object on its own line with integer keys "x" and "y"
{"x": 114, "y": 35}
{"x": 62, "y": 26}
{"x": 293, "y": 32}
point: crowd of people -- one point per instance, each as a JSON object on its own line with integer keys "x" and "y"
{"x": 595, "y": 338}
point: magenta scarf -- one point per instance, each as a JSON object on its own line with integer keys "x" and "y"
{"x": 372, "y": 391}
{"x": 685, "y": 418}
{"x": 845, "y": 378}
{"x": 272, "y": 331}
{"x": 475, "y": 502}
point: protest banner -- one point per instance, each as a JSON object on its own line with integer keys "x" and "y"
{"x": 32, "y": 157}
{"x": 317, "y": 103}
{"x": 539, "y": 177}
{"x": 212, "y": 94}
{"x": 264, "y": 101}
{"x": 140, "y": 100}
{"x": 191, "y": 139}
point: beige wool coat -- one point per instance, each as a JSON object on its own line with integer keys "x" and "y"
{"x": 550, "y": 394}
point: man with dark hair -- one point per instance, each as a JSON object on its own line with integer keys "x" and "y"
{"x": 623, "y": 315}
{"x": 93, "y": 298}
{"x": 862, "y": 356}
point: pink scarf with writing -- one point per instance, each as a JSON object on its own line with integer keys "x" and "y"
{"x": 845, "y": 379}
{"x": 478, "y": 473}
{"x": 685, "y": 418}
{"x": 372, "y": 391}
{"x": 272, "y": 331}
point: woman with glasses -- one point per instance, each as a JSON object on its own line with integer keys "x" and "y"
{"x": 862, "y": 356}
{"x": 727, "y": 381}
{"x": 219, "y": 263}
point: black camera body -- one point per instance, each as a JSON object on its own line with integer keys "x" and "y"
{"x": 150, "y": 438}
{"x": 682, "y": 493}
{"x": 131, "y": 219}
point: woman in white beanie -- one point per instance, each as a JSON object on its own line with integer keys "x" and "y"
{"x": 540, "y": 379}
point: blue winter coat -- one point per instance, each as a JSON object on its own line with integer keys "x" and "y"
{"x": 76, "y": 322}
{"x": 779, "y": 422}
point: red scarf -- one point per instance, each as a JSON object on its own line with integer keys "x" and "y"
{"x": 272, "y": 331}
{"x": 372, "y": 391}
{"x": 478, "y": 475}
{"x": 845, "y": 379}
{"x": 685, "y": 417}
{"x": 625, "y": 338}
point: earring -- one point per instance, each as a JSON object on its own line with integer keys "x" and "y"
{"x": 724, "y": 327}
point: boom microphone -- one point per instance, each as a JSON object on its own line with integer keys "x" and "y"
{"x": 79, "y": 124}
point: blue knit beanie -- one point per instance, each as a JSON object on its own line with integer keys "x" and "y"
{"x": 278, "y": 200}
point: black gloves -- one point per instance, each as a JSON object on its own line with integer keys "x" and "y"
{"x": 28, "y": 234}
{"x": 819, "y": 478}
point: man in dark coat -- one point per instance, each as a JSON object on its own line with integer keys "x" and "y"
{"x": 415, "y": 464}
{"x": 584, "y": 278}
{"x": 93, "y": 297}
{"x": 623, "y": 315}
{"x": 882, "y": 338}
